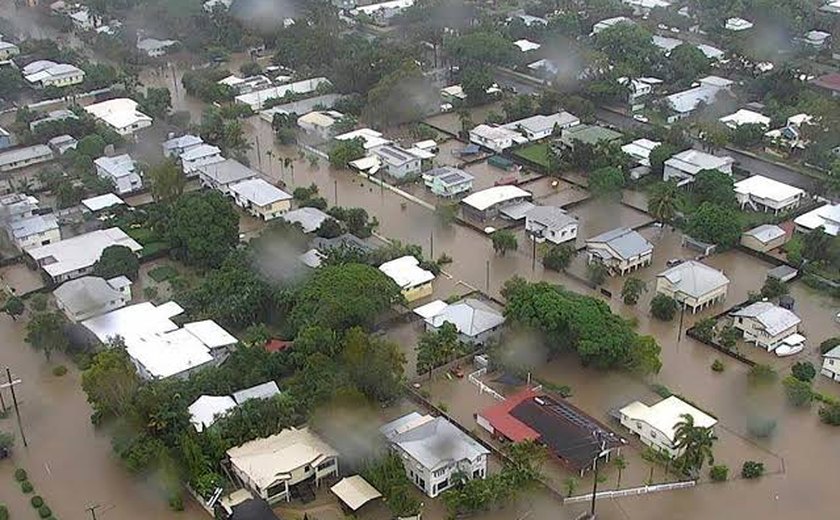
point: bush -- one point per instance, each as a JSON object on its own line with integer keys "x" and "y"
{"x": 719, "y": 473}
{"x": 44, "y": 511}
{"x": 762, "y": 374}
{"x": 59, "y": 370}
{"x": 36, "y": 501}
{"x": 4, "y": 512}
{"x": 663, "y": 307}
{"x": 804, "y": 371}
{"x": 176, "y": 503}
{"x": 760, "y": 427}
{"x": 20, "y": 474}
{"x": 752, "y": 469}
{"x": 717, "y": 366}
{"x": 830, "y": 414}
{"x": 798, "y": 392}
{"x": 662, "y": 391}
{"x": 26, "y": 487}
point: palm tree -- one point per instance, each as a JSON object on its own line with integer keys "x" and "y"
{"x": 571, "y": 485}
{"x": 620, "y": 464}
{"x": 695, "y": 444}
{"x": 662, "y": 203}
{"x": 270, "y": 155}
{"x": 290, "y": 164}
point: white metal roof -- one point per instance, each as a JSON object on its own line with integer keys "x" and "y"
{"x": 767, "y": 188}
{"x": 102, "y": 201}
{"x": 88, "y": 295}
{"x": 265, "y": 390}
{"x": 485, "y": 199}
{"x": 406, "y": 272}
{"x": 526, "y": 45}
{"x": 210, "y": 333}
{"x": 695, "y": 279}
{"x": 355, "y": 491}
{"x": 117, "y": 166}
{"x": 432, "y": 441}
{"x": 256, "y": 99}
{"x": 372, "y": 138}
{"x": 168, "y": 354}
{"x": 738, "y": 24}
{"x": 227, "y": 172}
{"x": 694, "y": 161}
{"x": 141, "y": 318}
{"x": 391, "y": 5}
{"x": 640, "y": 150}
{"x": 827, "y": 217}
{"x": 766, "y": 233}
{"x": 470, "y": 316}
{"x": 119, "y": 113}
{"x": 259, "y": 192}
{"x": 206, "y": 409}
{"x": 745, "y": 117}
{"x": 200, "y": 151}
{"x": 775, "y": 319}
{"x": 665, "y": 415}
{"x": 34, "y": 225}
{"x": 24, "y": 154}
{"x": 79, "y": 252}
{"x": 310, "y": 219}
{"x": 431, "y": 309}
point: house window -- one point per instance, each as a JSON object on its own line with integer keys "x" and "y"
{"x": 653, "y": 434}
{"x": 276, "y": 489}
{"x": 420, "y": 482}
{"x": 307, "y": 468}
{"x": 324, "y": 465}
{"x": 830, "y": 361}
{"x": 439, "y": 473}
{"x": 477, "y": 473}
{"x": 443, "y": 484}
{"x": 638, "y": 425}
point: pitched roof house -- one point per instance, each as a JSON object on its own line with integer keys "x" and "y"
{"x": 766, "y": 324}
{"x": 621, "y": 250}
{"x": 693, "y": 284}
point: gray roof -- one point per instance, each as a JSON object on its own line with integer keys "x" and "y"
{"x": 262, "y": 391}
{"x": 432, "y": 441}
{"x": 87, "y": 295}
{"x": 227, "y": 171}
{"x": 833, "y": 353}
{"x": 394, "y": 155}
{"x": 695, "y": 279}
{"x": 259, "y": 192}
{"x": 590, "y": 134}
{"x": 687, "y": 100}
{"x": 775, "y": 319}
{"x": 448, "y": 175}
{"x": 766, "y": 232}
{"x": 33, "y": 225}
{"x": 184, "y": 141}
{"x": 471, "y": 317}
{"x": 23, "y": 154}
{"x": 540, "y": 123}
{"x": 782, "y": 272}
{"x": 55, "y": 115}
{"x": 309, "y": 218}
{"x": 551, "y": 217}
{"x": 694, "y": 161}
{"x": 624, "y": 241}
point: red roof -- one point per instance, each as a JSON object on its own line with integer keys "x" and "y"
{"x": 504, "y": 423}
{"x": 829, "y": 81}
{"x": 277, "y": 345}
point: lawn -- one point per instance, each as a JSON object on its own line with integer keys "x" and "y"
{"x": 536, "y": 153}
{"x": 162, "y": 273}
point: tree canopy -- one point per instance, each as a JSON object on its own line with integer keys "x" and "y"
{"x": 714, "y": 224}
{"x": 202, "y": 228}
{"x": 117, "y": 261}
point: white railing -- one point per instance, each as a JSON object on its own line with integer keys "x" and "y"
{"x": 618, "y": 493}
{"x": 482, "y": 388}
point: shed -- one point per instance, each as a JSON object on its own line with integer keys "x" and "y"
{"x": 355, "y": 491}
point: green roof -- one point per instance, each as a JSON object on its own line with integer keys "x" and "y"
{"x": 589, "y": 134}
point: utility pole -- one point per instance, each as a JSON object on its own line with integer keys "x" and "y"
{"x": 92, "y": 510}
{"x": 602, "y": 445}
{"x": 487, "y": 278}
{"x": 533, "y": 254}
{"x": 259, "y": 156}
{"x": 682, "y": 315}
{"x": 432, "y": 245}
{"x": 335, "y": 191}
{"x": 11, "y": 386}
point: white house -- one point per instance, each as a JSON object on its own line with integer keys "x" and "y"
{"x": 609, "y": 22}
{"x": 257, "y": 99}
{"x": 487, "y": 203}
{"x": 122, "y": 171}
{"x": 539, "y": 126}
{"x": 683, "y": 166}
{"x": 310, "y": 219}
{"x": 831, "y": 364}
{"x": 75, "y": 257}
{"x": 657, "y": 425}
{"x": 319, "y": 122}
{"x": 121, "y": 115}
{"x": 8, "y": 50}
{"x": 693, "y": 285}
{"x": 90, "y": 296}
{"x": 175, "y": 146}
{"x": 195, "y": 157}
{"x": 434, "y": 451}
{"x": 764, "y": 194}
{"x": 153, "y": 47}
{"x": 745, "y": 117}
{"x": 260, "y": 199}
{"x": 383, "y": 11}
{"x": 16, "y": 158}
{"x": 101, "y": 202}
{"x": 45, "y": 73}
{"x": 826, "y": 218}
{"x": 205, "y": 410}
{"x": 682, "y": 104}
{"x": 221, "y": 175}
{"x": 476, "y": 322}
{"x": 552, "y": 224}
{"x": 736, "y": 24}
{"x": 414, "y": 281}
{"x": 644, "y": 7}
{"x": 621, "y": 250}
{"x": 371, "y": 138}
{"x": 17, "y": 206}
{"x": 764, "y": 238}
{"x": 639, "y": 150}
{"x": 398, "y": 163}
{"x": 447, "y": 181}
{"x": 34, "y": 231}
{"x": 496, "y": 138}
{"x": 272, "y": 466}
{"x": 54, "y": 115}
{"x": 766, "y": 324}
{"x": 525, "y": 45}
{"x": 61, "y": 143}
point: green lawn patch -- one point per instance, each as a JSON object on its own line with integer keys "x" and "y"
{"x": 152, "y": 248}
{"x": 162, "y": 273}
{"x": 536, "y": 153}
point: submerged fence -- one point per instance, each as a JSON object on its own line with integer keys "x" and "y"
{"x": 644, "y": 490}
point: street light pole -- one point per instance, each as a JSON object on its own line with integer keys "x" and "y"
{"x": 682, "y": 315}
{"x": 92, "y": 510}
{"x": 602, "y": 446}
{"x": 11, "y": 384}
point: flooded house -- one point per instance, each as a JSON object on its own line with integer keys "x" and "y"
{"x": 261, "y": 199}
{"x": 278, "y": 467}
{"x": 414, "y": 281}
{"x": 476, "y": 322}
{"x": 91, "y": 296}
{"x": 656, "y": 425}
{"x": 310, "y": 219}
{"x": 222, "y": 175}
{"x": 496, "y": 138}
{"x": 447, "y": 181}
{"x": 435, "y": 452}
{"x": 764, "y": 238}
{"x": 621, "y": 250}
{"x": 397, "y": 162}
{"x": 175, "y": 146}
{"x": 197, "y": 156}
{"x": 541, "y": 126}
{"x": 121, "y": 114}
{"x": 550, "y": 223}
{"x": 486, "y": 204}
{"x": 766, "y": 324}
{"x": 831, "y": 364}
{"x": 825, "y": 218}
{"x": 693, "y": 285}
{"x": 760, "y": 193}
{"x": 121, "y": 171}
{"x": 683, "y": 166}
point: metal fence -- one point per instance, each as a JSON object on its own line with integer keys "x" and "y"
{"x": 644, "y": 490}
{"x": 482, "y": 388}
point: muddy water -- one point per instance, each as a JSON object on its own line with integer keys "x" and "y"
{"x": 69, "y": 463}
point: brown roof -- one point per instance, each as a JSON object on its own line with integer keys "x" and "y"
{"x": 829, "y": 81}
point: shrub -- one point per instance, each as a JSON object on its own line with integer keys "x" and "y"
{"x": 44, "y": 511}
{"x": 26, "y": 487}
{"x": 760, "y": 427}
{"x": 804, "y": 371}
{"x": 762, "y": 374}
{"x": 662, "y": 391}
{"x": 663, "y": 307}
{"x": 59, "y": 370}
{"x": 36, "y": 501}
{"x": 717, "y": 366}
{"x": 729, "y": 336}
{"x": 752, "y": 469}
{"x": 20, "y": 474}
{"x": 4, "y": 512}
{"x": 830, "y": 414}
{"x": 798, "y": 392}
{"x": 176, "y": 503}
{"x": 705, "y": 329}
{"x": 719, "y": 473}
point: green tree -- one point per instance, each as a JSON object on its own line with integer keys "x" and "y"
{"x": 202, "y": 229}
{"x": 559, "y": 257}
{"x": 714, "y": 224}
{"x": 342, "y": 296}
{"x": 481, "y": 47}
{"x": 156, "y": 102}
{"x": 223, "y": 132}
{"x": 629, "y": 47}
{"x": 92, "y": 146}
{"x": 643, "y": 357}
{"x": 570, "y": 484}
{"x": 694, "y": 444}
{"x": 752, "y": 469}
{"x": 804, "y": 371}
{"x": 687, "y": 62}
{"x": 389, "y": 477}
{"x": 504, "y": 241}
{"x": 705, "y": 329}
{"x": 632, "y": 289}
{"x": 761, "y": 374}
{"x": 597, "y": 272}
{"x": 663, "y": 307}
{"x": 345, "y": 151}
{"x": 715, "y": 187}
{"x": 110, "y": 381}
{"x": 713, "y": 136}
{"x": 748, "y": 135}
{"x": 117, "y": 261}
{"x": 663, "y": 201}
{"x": 620, "y": 464}
{"x": 830, "y": 414}
{"x": 13, "y": 307}
{"x": 606, "y": 182}
{"x": 475, "y": 80}
{"x": 437, "y": 347}
{"x": 798, "y": 392}
{"x": 166, "y": 181}
{"x": 658, "y": 156}
{"x": 719, "y": 473}
{"x": 405, "y": 95}
{"x": 773, "y": 288}
{"x": 375, "y": 365}
{"x": 45, "y": 332}
{"x": 829, "y": 344}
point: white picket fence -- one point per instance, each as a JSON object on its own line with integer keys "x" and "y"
{"x": 482, "y": 388}
{"x": 618, "y": 493}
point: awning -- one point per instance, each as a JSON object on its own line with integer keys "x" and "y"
{"x": 355, "y": 491}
